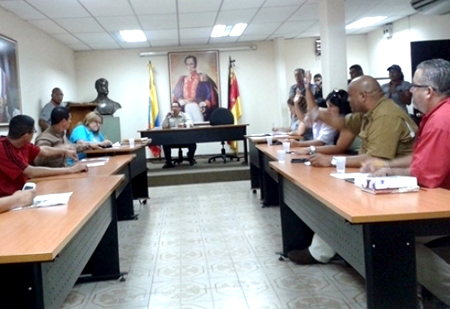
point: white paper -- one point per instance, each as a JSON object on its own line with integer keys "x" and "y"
{"x": 348, "y": 175}
{"x": 96, "y": 159}
{"x": 94, "y": 164}
{"x": 116, "y": 145}
{"x": 48, "y": 200}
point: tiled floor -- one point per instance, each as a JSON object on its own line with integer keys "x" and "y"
{"x": 212, "y": 246}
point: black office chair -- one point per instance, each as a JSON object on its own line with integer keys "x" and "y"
{"x": 222, "y": 116}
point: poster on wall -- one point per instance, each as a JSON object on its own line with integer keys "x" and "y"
{"x": 10, "y": 104}
{"x": 194, "y": 82}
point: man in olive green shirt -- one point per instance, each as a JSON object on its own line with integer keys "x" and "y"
{"x": 386, "y": 132}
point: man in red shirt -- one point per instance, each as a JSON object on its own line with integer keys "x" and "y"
{"x": 17, "y": 153}
{"x": 429, "y": 163}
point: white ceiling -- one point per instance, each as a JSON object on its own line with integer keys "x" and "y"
{"x": 94, "y": 24}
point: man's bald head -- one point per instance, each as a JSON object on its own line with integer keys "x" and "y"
{"x": 364, "y": 92}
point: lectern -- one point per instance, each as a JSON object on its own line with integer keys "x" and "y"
{"x": 78, "y": 112}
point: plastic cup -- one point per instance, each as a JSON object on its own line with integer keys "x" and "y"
{"x": 269, "y": 140}
{"x": 281, "y": 154}
{"x": 340, "y": 164}
{"x": 131, "y": 140}
{"x": 286, "y": 146}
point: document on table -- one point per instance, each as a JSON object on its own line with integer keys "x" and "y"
{"x": 48, "y": 200}
{"x": 89, "y": 160}
{"x": 348, "y": 175}
{"x": 94, "y": 164}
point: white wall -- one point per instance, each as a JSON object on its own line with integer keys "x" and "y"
{"x": 44, "y": 64}
{"x": 397, "y": 50}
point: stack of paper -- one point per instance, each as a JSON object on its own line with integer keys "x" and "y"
{"x": 391, "y": 184}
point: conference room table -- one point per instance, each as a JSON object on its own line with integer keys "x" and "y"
{"x": 255, "y": 163}
{"x": 118, "y": 165}
{"x": 138, "y": 166}
{"x": 43, "y": 251}
{"x": 198, "y": 134}
{"x": 268, "y": 178}
{"x": 374, "y": 233}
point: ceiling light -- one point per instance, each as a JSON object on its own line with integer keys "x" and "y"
{"x": 133, "y": 35}
{"x": 218, "y": 31}
{"x": 365, "y": 22}
{"x": 238, "y": 29}
{"x": 227, "y": 31}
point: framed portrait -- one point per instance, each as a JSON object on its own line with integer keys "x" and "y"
{"x": 10, "y": 103}
{"x": 194, "y": 82}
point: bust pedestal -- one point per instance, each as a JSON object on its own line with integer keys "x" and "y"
{"x": 111, "y": 128}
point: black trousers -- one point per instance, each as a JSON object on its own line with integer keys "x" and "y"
{"x": 168, "y": 149}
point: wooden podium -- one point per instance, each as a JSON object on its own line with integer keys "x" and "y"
{"x": 79, "y": 111}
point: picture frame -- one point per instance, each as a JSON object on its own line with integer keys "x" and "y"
{"x": 10, "y": 100}
{"x": 194, "y": 82}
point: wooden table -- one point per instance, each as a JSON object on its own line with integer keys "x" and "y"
{"x": 198, "y": 134}
{"x": 43, "y": 251}
{"x": 115, "y": 165}
{"x": 255, "y": 163}
{"x": 374, "y": 233}
{"x": 138, "y": 166}
{"x": 268, "y": 178}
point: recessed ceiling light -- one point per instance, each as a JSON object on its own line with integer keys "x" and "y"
{"x": 223, "y": 30}
{"x": 227, "y": 31}
{"x": 238, "y": 29}
{"x": 365, "y": 22}
{"x": 133, "y": 35}
{"x": 217, "y": 31}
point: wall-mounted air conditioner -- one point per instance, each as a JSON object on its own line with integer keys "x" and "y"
{"x": 431, "y": 7}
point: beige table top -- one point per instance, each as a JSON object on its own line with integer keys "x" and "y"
{"x": 36, "y": 235}
{"x": 111, "y": 167}
{"x": 358, "y": 206}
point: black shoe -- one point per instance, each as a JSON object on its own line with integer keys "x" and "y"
{"x": 167, "y": 165}
{"x": 302, "y": 257}
{"x": 191, "y": 161}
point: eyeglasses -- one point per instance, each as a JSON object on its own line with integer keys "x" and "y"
{"x": 421, "y": 86}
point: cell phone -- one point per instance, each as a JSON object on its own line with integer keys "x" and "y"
{"x": 299, "y": 160}
{"x": 106, "y": 146}
{"x": 29, "y": 186}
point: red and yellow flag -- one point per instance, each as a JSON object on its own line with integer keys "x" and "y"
{"x": 234, "y": 101}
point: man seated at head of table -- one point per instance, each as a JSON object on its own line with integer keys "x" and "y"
{"x": 429, "y": 163}
{"x": 55, "y": 136}
{"x": 337, "y": 104}
{"x": 88, "y": 133}
{"x": 177, "y": 119}
{"x": 17, "y": 153}
{"x": 386, "y": 132}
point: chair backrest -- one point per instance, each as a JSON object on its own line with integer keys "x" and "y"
{"x": 221, "y": 116}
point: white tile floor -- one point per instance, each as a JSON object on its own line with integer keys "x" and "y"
{"x": 212, "y": 246}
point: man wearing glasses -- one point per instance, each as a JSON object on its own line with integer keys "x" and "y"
{"x": 429, "y": 162}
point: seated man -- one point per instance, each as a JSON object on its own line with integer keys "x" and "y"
{"x": 55, "y": 136}
{"x": 18, "y": 199}
{"x": 17, "y": 153}
{"x": 386, "y": 131}
{"x": 177, "y": 119}
{"x": 429, "y": 162}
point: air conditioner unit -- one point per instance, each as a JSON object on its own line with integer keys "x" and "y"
{"x": 431, "y": 7}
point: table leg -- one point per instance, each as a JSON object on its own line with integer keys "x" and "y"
{"x": 390, "y": 264}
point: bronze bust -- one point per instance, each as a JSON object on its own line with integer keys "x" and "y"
{"x": 105, "y": 106}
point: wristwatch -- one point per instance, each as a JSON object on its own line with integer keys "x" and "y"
{"x": 312, "y": 150}
{"x": 333, "y": 161}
